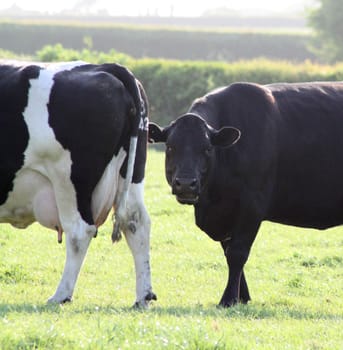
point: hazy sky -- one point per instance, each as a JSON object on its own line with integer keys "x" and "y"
{"x": 163, "y": 7}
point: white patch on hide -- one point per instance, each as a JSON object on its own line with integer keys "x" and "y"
{"x": 106, "y": 189}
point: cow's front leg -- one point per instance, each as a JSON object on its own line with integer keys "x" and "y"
{"x": 237, "y": 251}
{"x": 77, "y": 241}
{"x": 236, "y": 256}
{"x": 243, "y": 290}
{"x": 244, "y": 295}
{"x": 137, "y": 234}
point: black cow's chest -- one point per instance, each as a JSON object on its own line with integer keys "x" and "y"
{"x": 215, "y": 214}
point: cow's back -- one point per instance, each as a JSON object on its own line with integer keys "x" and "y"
{"x": 308, "y": 187}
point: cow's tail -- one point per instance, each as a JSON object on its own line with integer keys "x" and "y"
{"x": 132, "y": 85}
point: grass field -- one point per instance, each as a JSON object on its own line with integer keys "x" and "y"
{"x": 295, "y": 278}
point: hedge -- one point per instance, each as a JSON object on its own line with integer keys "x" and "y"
{"x": 171, "y": 86}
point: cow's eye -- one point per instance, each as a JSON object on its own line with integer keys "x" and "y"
{"x": 208, "y": 151}
{"x": 168, "y": 149}
{"x": 203, "y": 165}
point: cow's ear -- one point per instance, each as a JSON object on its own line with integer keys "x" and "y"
{"x": 225, "y": 137}
{"x": 156, "y": 133}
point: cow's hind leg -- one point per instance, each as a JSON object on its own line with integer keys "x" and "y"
{"x": 77, "y": 231}
{"x": 137, "y": 233}
{"x": 77, "y": 241}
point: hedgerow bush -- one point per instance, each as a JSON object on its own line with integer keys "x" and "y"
{"x": 171, "y": 85}
{"x": 55, "y": 53}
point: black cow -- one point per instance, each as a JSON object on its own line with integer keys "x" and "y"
{"x": 286, "y": 164}
{"x": 72, "y": 145}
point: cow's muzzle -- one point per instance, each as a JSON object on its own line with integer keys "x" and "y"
{"x": 186, "y": 190}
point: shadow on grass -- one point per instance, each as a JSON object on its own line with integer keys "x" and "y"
{"x": 251, "y": 311}
{"x": 27, "y": 308}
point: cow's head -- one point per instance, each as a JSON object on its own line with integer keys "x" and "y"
{"x": 190, "y": 145}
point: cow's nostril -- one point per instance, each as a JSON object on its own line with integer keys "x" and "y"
{"x": 193, "y": 184}
{"x": 177, "y": 184}
{"x": 185, "y": 184}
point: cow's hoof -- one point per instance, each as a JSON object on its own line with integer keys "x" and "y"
{"x": 228, "y": 303}
{"x": 234, "y": 302}
{"x": 150, "y": 296}
{"x": 116, "y": 234}
{"x": 67, "y": 300}
{"x": 144, "y": 304}
{"x": 222, "y": 305}
{"x": 54, "y": 300}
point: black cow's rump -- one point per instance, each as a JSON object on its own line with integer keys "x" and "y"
{"x": 286, "y": 167}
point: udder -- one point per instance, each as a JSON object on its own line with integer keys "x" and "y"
{"x": 45, "y": 210}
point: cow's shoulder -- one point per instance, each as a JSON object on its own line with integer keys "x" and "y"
{"x": 236, "y": 104}
{"x": 252, "y": 109}
{"x": 15, "y": 68}
{"x": 15, "y": 84}
{"x": 14, "y": 134}
{"x": 250, "y": 95}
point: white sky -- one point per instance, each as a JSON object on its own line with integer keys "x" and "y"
{"x": 180, "y": 7}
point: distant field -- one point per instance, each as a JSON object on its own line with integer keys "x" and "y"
{"x": 295, "y": 278}
{"x": 286, "y": 22}
{"x": 181, "y": 43}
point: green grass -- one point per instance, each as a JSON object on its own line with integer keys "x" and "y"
{"x": 295, "y": 278}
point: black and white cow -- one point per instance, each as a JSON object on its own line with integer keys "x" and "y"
{"x": 286, "y": 164}
{"x": 72, "y": 145}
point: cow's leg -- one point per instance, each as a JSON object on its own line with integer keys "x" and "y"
{"x": 237, "y": 251}
{"x": 78, "y": 233}
{"x": 77, "y": 241}
{"x": 236, "y": 256}
{"x": 137, "y": 233}
{"x": 243, "y": 291}
{"x": 244, "y": 295}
